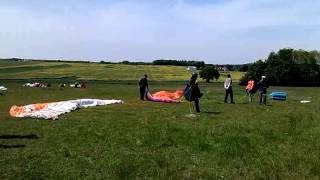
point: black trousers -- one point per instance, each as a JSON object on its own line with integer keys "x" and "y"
{"x": 263, "y": 97}
{"x": 142, "y": 92}
{"x": 228, "y": 91}
{"x": 196, "y": 102}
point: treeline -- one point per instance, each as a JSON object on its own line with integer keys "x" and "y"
{"x": 135, "y": 63}
{"x": 232, "y": 67}
{"x": 287, "y": 67}
{"x": 198, "y": 64}
{"x": 45, "y": 60}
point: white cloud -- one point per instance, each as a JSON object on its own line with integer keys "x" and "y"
{"x": 232, "y": 32}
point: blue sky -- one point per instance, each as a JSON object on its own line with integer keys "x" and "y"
{"x": 216, "y": 31}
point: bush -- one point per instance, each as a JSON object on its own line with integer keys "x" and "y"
{"x": 209, "y": 72}
{"x": 287, "y": 67}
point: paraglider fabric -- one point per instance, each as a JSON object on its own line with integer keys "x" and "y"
{"x": 164, "y": 96}
{"x": 54, "y": 109}
{"x": 36, "y": 85}
{"x": 2, "y": 88}
{"x": 279, "y": 96}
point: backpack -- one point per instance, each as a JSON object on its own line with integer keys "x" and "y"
{"x": 140, "y": 82}
{"x": 187, "y": 92}
{"x": 255, "y": 87}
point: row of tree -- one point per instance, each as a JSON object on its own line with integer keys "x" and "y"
{"x": 287, "y": 67}
{"x": 232, "y": 67}
{"x": 209, "y": 72}
{"x": 198, "y": 64}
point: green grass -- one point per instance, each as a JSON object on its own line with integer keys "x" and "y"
{"x": 235, "y": 75}
{"x": 90, "y": 71}
{"x": 95, "y": 71}
{"x": 145, "y": 140}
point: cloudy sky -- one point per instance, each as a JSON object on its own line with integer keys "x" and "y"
{"x": 215, "y": 31}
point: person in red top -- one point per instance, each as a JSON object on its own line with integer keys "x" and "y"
{"x": 250, "y": 88}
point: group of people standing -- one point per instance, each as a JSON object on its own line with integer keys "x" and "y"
{"x": 194, "y": 92}
{"x": 191, "y": 92}
{"x": 251, "y": 88}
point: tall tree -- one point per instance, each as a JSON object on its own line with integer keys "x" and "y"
{"x": 288, "y": 67}
{"x": 209, "y": 72}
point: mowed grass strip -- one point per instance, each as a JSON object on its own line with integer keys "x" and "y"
{"x": 91, "y": 71}
{"x": 96, "y": 71}
{"x": 145, "y": 140}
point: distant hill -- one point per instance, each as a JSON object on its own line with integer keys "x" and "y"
{"x": 26, "y": 69}
{"x": 89, "y": 71}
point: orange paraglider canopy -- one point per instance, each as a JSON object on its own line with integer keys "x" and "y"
{"x": 168, "y": 95}
{"x": 16, "y": 111}
{"x": 164, "y": 96}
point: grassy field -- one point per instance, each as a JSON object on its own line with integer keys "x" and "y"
{"x": 95, "y": 71}
{"x": 90, "y": 71}
{"x": 146, "y": 140}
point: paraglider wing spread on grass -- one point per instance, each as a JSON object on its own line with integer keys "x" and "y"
{"x": 164, "y": 96}
{"x": 278, "y": 95}
{"x": 54, "y": 109}
{"x": 2, "y": 88}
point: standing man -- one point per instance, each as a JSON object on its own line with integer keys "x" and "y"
{"x": 194, "y": 91}
{"x": 143, "y": 85}
{"x": 228, "y": 88}
{"x": 262, "y": 86}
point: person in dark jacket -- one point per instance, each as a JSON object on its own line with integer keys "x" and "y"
{"x": 195, "y": 92}
{"x": 262, "y": 87}
{"x": 143, "y": 86}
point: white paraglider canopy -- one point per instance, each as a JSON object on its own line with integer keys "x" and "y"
{"x": 2, "y": 88}
{"x": 192, "y": 69}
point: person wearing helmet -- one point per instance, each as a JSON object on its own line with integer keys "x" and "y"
{"x": 195, "y": 92}
{"x": 143, "y": 86}
{"x": 262, "y": 87}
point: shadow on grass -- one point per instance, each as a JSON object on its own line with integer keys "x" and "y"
{"x": 211, "y": 112}
{"x": 6, "y": 136}
{"x": 11, "y": 146}
{"x": 31, "y": 136}
{"x": 245, "y": 102}
{"x": 268, "y": 105}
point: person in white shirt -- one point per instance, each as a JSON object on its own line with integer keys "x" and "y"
{"x": 228, "y": 88}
